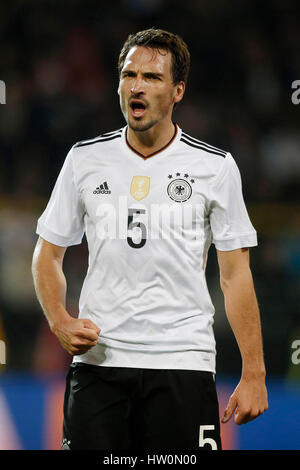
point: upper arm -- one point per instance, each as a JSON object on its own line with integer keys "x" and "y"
{"x": 233, "y": 263}
{"x": 45, "y": 250}
{"x": 230, "y": 224}
{"x": 62, "y": 222}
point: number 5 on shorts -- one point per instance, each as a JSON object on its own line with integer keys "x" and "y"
{"x": 207, "y": 440}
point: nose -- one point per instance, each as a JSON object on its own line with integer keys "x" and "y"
{"x": 137, "y": 86}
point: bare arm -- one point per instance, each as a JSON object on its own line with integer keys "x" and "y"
{"x": 250, "y": 397}
{"x": 76, "y": 335}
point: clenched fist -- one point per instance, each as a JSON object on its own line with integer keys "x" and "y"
{"x": 77, "y": 336}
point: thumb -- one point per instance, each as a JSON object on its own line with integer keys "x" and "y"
{"x": 87, "y": 323}
{"x": 229, "y": 409}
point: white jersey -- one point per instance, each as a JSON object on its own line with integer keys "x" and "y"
{"x": 149, "y": 223}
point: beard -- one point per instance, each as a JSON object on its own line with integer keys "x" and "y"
{"x": 143, "y": 123}
{"x": 140, "y": 126}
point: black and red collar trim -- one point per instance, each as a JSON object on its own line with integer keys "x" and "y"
{"x": 145, "y": 157}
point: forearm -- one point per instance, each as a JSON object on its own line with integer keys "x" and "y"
{"x": 50, "y": 285}
{"x": 243, "y": 315}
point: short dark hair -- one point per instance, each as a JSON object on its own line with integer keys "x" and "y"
{"x": 160, "y": 40}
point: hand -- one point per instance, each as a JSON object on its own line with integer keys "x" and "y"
{"x": 249, "y": 400}
{"x": 77, "y": 336}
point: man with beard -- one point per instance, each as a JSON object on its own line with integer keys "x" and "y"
{"x": 150, "y": 199}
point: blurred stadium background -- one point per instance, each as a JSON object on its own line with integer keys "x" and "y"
{"x": 58, "y": 61}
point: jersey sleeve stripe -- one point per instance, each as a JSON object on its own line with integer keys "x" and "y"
{"x": 196, "y": 141}
{"x": 111, "y": 133}
{"x": 214, "y": 152}
{"x": 100, "y": 139}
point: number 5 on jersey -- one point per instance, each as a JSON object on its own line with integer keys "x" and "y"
{"x": 207, "y": 440}
{"x": 131, "y": 225}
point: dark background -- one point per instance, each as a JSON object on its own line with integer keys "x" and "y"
{"x": 59, "y": 63}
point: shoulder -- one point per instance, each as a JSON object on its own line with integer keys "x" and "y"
{"x": 100, "y": 139}
{"x": 211, "y": 159}
{"x": 195, "y": 145}
{"x": 84, "y": 150}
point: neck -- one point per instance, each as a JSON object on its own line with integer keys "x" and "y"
{"x": 152, "y": 140}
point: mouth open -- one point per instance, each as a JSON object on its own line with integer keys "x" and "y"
{"x": 138, "y": 108}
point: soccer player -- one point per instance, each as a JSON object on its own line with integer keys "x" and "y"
{"x": 150, "y": 199}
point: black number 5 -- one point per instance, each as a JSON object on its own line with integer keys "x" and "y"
{"x": 140, "y": 225}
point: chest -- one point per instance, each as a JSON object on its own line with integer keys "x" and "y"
{"x": 164, "y": 198}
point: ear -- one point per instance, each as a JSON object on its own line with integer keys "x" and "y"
{"x": 179, "y": 92}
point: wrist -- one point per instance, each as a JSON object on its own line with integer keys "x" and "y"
{"x": 254, "y": 373}
{"x": 61, "y": 317}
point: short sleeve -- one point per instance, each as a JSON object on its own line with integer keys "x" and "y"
{"x": 62, "y": 222}
{"x": 229, "y": 221}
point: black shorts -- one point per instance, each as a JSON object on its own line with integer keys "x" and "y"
{"x": 120, "y": 408}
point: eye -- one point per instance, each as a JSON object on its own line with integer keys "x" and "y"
{"x": 152, "y": 76}
{"x": 128, "y": 74}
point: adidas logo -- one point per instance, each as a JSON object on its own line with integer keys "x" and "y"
{"x": 102, "y": 189}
